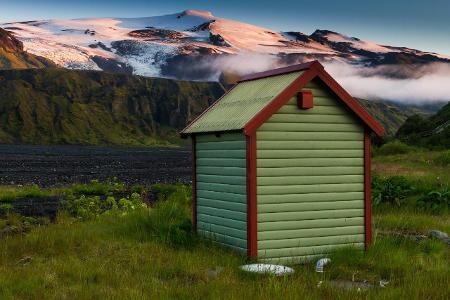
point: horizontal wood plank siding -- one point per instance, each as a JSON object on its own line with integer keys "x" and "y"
{"x": 310, "y": 180}
{"x": 221, "y": 189}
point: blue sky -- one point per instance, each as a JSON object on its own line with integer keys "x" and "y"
{"x": 424, "y": 25}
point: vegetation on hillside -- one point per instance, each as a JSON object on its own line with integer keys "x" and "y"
{"x": 389, "y": 114}
{"x": 432, "y": 132}
{"x": 59, "y": 106}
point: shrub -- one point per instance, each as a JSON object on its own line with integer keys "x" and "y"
{"x": 436, "y": 201}
{"x": 169, "y": 221}
{"x": 5, "y": 208}
{"x": 443, "y": 159}
{"x": 32, "y": 191}
{"x": 88, "y": 207}
{"x": 96, "y": 187}
{"x": 395, "y": 147}
{"x": 393, "y": 190}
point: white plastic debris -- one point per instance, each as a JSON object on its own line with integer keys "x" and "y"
{"x": 383, "y": 283}
{"x": 321, "y": 263}
{"x": 268, "y": 269}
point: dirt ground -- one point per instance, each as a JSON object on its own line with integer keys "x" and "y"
{"x": 61, "y": 165}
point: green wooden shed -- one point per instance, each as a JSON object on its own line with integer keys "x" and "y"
{"x": 281, "y": 166}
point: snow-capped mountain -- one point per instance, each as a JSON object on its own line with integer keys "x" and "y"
{"x": 195, "y": 45}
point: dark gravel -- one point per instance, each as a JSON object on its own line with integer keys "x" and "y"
{"x": 62, "y": 165}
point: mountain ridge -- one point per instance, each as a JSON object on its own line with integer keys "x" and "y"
{"x": 156, "y": 46}
{"x": 13, "y": 55}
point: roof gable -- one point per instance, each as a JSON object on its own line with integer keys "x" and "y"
{"x": 256, "y": 97}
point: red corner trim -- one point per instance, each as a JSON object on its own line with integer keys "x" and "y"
{"x": 183, "y": 132}
{"x": 252, "y": 240}
{"x": 285, "y": 70}
{"x": 194, "y": 185}
{"x": 279, "y": 101}
{"x": 367, "y": 191}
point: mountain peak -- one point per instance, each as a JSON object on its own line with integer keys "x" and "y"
{"x": 197, "y": 13}
{"x": 9, "y": 42}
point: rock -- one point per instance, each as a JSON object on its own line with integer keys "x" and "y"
{"x": 25, "y": 260}
{"x": 214, "y": 272}
{"x": 440, "y": 235}
{"x": 348, "y": 285}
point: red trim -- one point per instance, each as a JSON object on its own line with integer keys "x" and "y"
{"x": 183, "y": 132}
{"x": 278, "y": 101}
{"x": 252, "y": 241}
{"x": 312, "y": 69}
{"x": 275, "y": 72}
{"x": 351, "y": 103}
{"x": 367, "y": 191}
{"x": 299, "y": 84}
{"x": 194, "y": 185}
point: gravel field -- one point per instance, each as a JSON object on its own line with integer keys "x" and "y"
{"x": 61, "y": 165}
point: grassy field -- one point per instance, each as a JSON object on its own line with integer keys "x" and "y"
{"x": 118, "y": 249}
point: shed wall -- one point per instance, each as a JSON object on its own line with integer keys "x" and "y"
{"x": 310, "y": 179}
{"x": 222, "y": 188}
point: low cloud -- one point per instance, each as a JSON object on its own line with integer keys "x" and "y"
{"x": 414, "y": 84}
{"x": 406, "y": 83}
{"x": 246, "y": 63}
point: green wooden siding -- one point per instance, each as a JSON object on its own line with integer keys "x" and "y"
{"x": 310, "y": 180}
{"x": 222, "y": 188}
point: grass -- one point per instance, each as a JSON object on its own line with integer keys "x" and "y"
{"x": 426, "y": 168}
{"x": 131, "y": 257}
{"x": 11, "y": 193}
{"x": 150, "y": 253}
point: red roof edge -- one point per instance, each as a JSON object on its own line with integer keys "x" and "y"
{"x": 275, "y": 72}
{"x": 354, "y": 105}
{"x": 315, "y": 69}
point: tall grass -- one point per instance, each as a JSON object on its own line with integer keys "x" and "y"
{"x": 151, "y": 254}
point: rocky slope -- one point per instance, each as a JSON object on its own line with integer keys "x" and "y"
{"x": 13, "y": 56}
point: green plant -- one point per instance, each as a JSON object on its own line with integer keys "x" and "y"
{"x": 169, "y": 221}
{"x": 394, "y": 147}
{"x": 96, "y": 187}
{"x": 443, "y": 159}
{"x": 10, "y": 193}
{"x": 392, "y": 190}
{"x": 88, "y": 207}
{"x": 5, "y": 208}
{"x": 436, "y": 201}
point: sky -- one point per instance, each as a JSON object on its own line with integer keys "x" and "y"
{"x": 424, "y": 25}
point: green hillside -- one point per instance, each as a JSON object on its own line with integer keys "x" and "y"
{"x": 389, "y": 114}
{"x": 431, "y": 132}
{"x": 59, "y": 106}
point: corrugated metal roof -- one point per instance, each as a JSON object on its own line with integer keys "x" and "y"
{"x": 241, "y": 104}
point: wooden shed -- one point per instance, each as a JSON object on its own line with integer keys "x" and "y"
{"x": 281, "y": 166}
